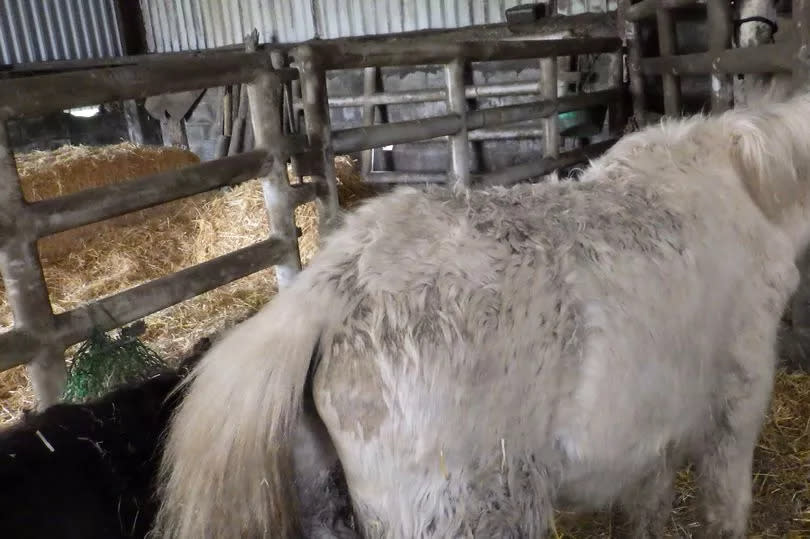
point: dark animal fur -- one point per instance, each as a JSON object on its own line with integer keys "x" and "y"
{"x": 98, "y": 481}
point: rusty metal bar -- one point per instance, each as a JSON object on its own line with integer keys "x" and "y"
{"x": 778, "y": 57}
{"x": 634, "y": 63}
{"x": 718, "y": 25}
{"x": 359, "y": 138}
{"x": 309, "y": 60}
{"x": 541, "y": 167}
{"x": 266, "y": 94}
{"x": 42, "y": 94}
{"x": 135, "y": 303}
{"x": 356, "y": 54}
{"x": 667, "y": 47}
{"x": 648, "y": 8}
{"x": 457, "y": 104}
{"x": 26, "y": 292}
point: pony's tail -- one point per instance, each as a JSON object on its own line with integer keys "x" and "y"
{"x": 226, "y": 469}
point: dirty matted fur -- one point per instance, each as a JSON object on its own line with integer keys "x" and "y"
{"x": 482, "y": 356}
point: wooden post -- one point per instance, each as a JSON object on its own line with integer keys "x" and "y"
{"x": 548, "y": 90}
{"x": 173, "y": 131}
{"x": 630, "y": 37}
{"x": 25, "y": 285}
{"x": 718, "y": 24}
{"x": 369, "y": 88}
{"x": 801, "y": 69}
{"x": 800, "y": 303}
{"x": 319, "y": 132}
{"x": 459, "y": 142}
{"x": 265, "y": 95}
{"x": 667, "y": 47}
{"x": 236, "y": 144}
{"x": 133, "y": 118}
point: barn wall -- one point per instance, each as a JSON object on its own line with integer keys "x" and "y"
{"x": 175, "y": 25}
{"x": 46, "y": 30}
{"x": 41, "y": 30}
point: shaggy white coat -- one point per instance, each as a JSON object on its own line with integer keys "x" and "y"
{"x": 483, "y": 356}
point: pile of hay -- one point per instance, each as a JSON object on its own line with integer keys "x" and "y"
{"x": 69, "y": 169}
{"x": 119, "y": 254}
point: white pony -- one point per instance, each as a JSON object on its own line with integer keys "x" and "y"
{"x": 470, "y": 360}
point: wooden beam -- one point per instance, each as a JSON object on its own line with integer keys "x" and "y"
{"x": 352, "y": 54}
{"x": 43, "y": 94}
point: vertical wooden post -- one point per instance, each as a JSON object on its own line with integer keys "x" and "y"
{"x": 801, "y": 69}
{"x": 265, "y": 95}
{"x": 26, "y": 291}
{"x": 459, "y": 143}
{"x": 548, "y": 90}
{"x": 369, "y": 87}
{"x": 279, "y": 60}
{"x": 667, "y": 47}
{"x": 173, "y": 131}
{"x": 800, "y": 303}
{"x": 133, "y": 119}
{"x": 631, "y": 41}
{"x": 718, "y": 24}
{"x": 236, "y": 143}
{"x": 319, "y": 132}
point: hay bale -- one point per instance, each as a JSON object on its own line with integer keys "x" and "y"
{"x": 69, "y": 169}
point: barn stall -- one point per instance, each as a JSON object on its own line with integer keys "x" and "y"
{"x": 285, "y": 115}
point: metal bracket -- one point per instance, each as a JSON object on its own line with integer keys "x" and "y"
{"x": 526, "y": 13}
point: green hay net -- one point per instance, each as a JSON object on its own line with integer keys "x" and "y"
{"x": 105, "y": 361}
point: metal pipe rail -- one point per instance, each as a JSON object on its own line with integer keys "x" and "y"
{"x": 540, "y": 167}
{"x": 432, "y": 95}
{"x": 507, "y": 176}
{"x": 360, "y": 138}
{"x": 778, "y": 57}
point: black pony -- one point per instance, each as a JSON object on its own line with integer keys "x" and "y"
{"x": 87, "y": 471}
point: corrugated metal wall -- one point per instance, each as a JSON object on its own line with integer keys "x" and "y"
{"x": 41, "y": 30}
{"x": 174, "y": 25}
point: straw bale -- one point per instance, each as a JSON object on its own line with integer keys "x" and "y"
{"x": 69, "y": 169}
